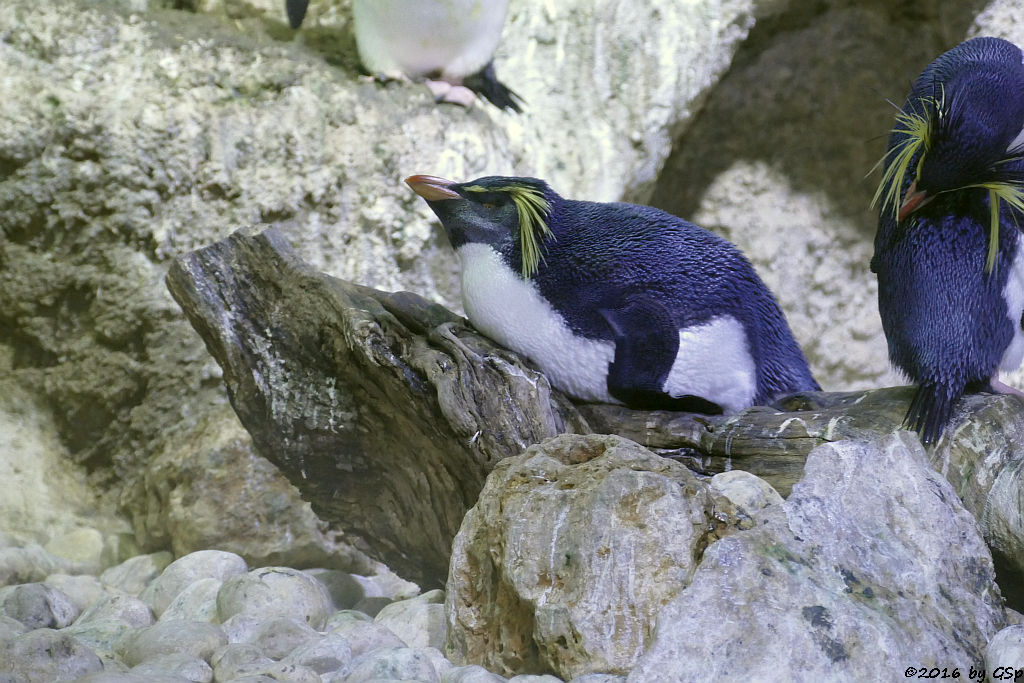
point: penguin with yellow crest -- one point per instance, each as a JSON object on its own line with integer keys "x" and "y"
{"x": 948, "y": 247}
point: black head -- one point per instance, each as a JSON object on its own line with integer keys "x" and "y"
{"x": 961, "y": 127}
{"x": 500, "y": 211}
{"x": 975, "y": 121}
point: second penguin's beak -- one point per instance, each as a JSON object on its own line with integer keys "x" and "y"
{"x": 432, "y": 188}
{"x": 913, "y": 201}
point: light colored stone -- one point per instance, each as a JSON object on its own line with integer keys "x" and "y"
{"x": 327, "y": 653}
{"x": 598, "y": 678}
{"x": 364, "y": 636}
{"x": 344, "y": 589}
{"x": 134, "y": 574}
{"x": 472, "y": 673}
{"x": 103, "y": 636}
{"x": 224, "y": 496}
{"x": 179, "y": 664}
{"x": 1005, "y": 650}
{"x": 46, "y": 498}
{"x": 238, "y": 659}
{"x": 202, "y": 564}
{"x": 398, "y": 663}
{"x": 275, "y": 591}
{"x": 37, "y": 605}
{"x": 11, "y": 628}
{"x": 242, "y": 627}
{"x": 535, "y": 678}
{"x": 197, "y": 601}
{"x": 193, "y": 638}
{"x": 569, "y": 553}
{"x": 82, "y": 547}
{"x": 872, "y": 553}
{"x": 419, "y": 621}
{"x": 45, "y": 655}
{"x": 278, "y": 636}
{"x": 750, "y": 494}
{"x": 27, "y": 564}
{"x": 386, "y": 584}
{"x": 119, "y": 607}
{"x": 82, "y": 590}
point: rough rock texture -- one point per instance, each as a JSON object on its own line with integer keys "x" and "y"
{"x": 336, "y": 366}
{"x": 339, "y": 384}
{"x": 571, "y": 551}
{"x": 131, "y": 133}
{"x": 871, "y": 564}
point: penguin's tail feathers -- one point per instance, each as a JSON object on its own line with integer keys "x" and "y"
{"x": 486, "y": 84}
{"x": 296, "y": 10}
{"x": 930, "y": 410}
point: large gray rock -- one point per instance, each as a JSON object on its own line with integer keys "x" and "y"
{"x": 45, "y": 655}
{"x": 178, "y": 575}
{"x": 871, "y": 561}
{"x": 570, "y": 553}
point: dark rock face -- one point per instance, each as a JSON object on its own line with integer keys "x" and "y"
{"x": 387, "y": 412}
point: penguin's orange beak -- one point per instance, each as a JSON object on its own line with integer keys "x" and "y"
{"x": 913, "y": 201}
{"x": 432, "y": 188}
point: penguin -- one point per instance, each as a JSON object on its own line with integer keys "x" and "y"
{"x": 448, "y": 43}
{"x": 616, "y": 303}
{"x": 947, "y": 252}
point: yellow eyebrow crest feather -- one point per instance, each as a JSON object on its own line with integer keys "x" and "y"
{"x": 533, "y": 211}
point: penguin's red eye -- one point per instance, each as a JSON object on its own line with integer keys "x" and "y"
{"x": 488, "y": 205}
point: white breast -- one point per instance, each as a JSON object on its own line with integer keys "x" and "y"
{"x": 713, "y": 360}
{"x": 456, "y": 38}
{"x": 512, "y": 312}
{"x": 1013, "y": 292}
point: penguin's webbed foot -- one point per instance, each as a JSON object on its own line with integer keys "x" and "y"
{"x": 486, "y": 84}
{"x": 930, "y": 410}
{"x": 443, "y": 91}
{"x": 1001, "y": 388}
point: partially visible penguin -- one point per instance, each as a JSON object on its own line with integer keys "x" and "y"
{"x": 616, "y": 303}
{"x": 449, "y": 43}
{"x": 948, "y": 247}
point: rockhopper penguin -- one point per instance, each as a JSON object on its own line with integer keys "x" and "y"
{"x": 617, "y": 303}
{"x": 449, "y": 43}
{"x": 947, "y": 251}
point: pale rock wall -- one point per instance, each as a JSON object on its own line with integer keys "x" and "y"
{"x": 131, "y": 132}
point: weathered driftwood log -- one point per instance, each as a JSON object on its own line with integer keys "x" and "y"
{"x": 388, "y": 411}
{"x": 383, "y": 409}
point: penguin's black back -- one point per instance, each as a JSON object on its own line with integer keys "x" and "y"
{"x": 602, "y": 253}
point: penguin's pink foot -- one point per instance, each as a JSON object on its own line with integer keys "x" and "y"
{"x": 443, "y": 91}
{"x": 1001, "y": 388}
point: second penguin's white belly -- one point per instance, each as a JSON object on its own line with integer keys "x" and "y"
{"x": 1013, "y": 293}
{"x": 713, "y": 361}
{"x": 455, "y": 38}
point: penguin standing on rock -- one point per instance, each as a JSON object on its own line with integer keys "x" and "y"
{"x": 448, "y": 43}
{"x": 616, "y": 303}
{"x": 948, "y": 247}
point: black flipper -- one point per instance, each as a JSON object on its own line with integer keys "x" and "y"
{"x": 930, "y": 410}
{"x": 646, "y": 343}
{"x": 296, "y": 11}
{"x": 486, "y": 84}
